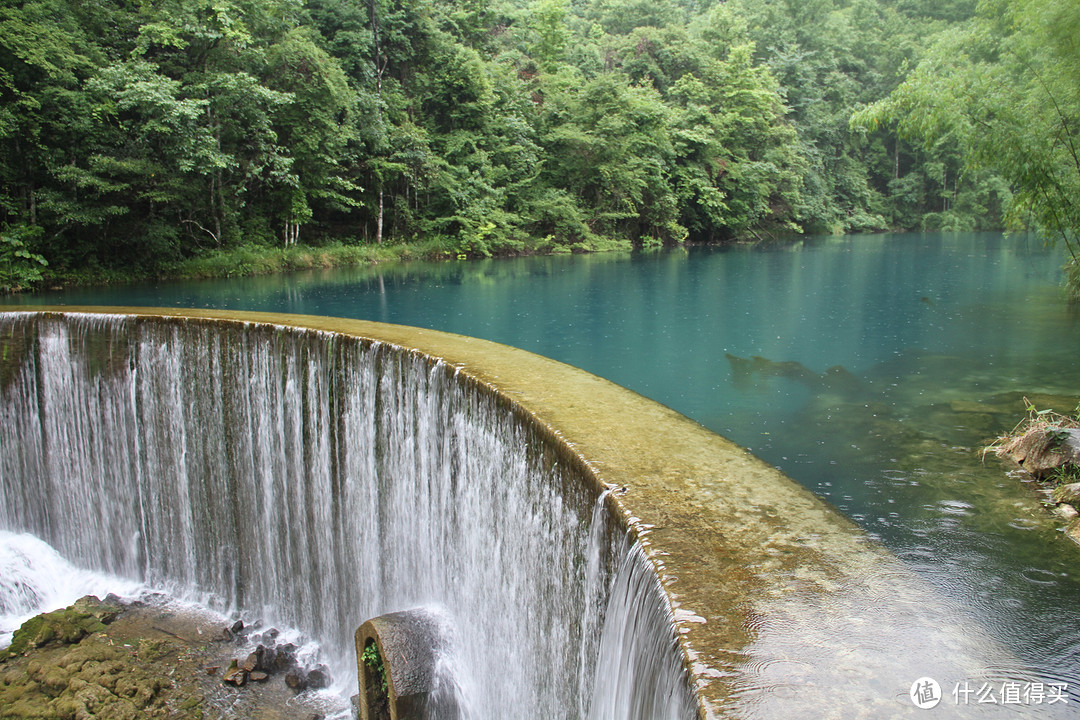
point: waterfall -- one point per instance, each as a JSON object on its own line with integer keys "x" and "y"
{"x": 317, "y": 480}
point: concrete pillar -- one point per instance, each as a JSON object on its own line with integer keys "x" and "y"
{"x": 409, "y": 643}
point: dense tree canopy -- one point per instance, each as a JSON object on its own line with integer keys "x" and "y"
{"x": 137, "y": 134}
{"x": 1004, "y": 88}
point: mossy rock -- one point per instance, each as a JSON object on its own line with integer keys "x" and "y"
{"x": 140, "y": 667}
{"x": 104, "y": 611}
{"x": 66, "y": 626}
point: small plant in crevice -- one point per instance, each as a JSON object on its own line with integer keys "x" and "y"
{"x": 379, "y": 700}
{"x": 373, "y": 660}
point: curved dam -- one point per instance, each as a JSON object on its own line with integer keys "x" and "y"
{"x": 596, "y": 554}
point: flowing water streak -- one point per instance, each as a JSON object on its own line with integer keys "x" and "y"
{"x": 638, "y": 657}
{"x": 318, "y": 480}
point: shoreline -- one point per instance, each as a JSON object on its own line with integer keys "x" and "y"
{"x": 252, "y": 260}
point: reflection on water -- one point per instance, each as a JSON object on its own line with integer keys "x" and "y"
{"x": 869, "y": 368}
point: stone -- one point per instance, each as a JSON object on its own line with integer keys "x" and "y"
{"x": 1066, "y": 511}
{"x": 257, "y": 676}
{"x": 262, "y": 658}
{"x": 235, "y": 675}
{"x": 284, "y": 657}
{"x": 192, "y": 702}
{"x": 267, "y": 658}
{"x": 1067, "y": 493}
{"x": 1043, "y": 450}
{"x": 66, "y": 626}
{"x": 296, "y": 679}
{"x": 318, "y": 678}
{"x": 104, "y": 611}
{"x": 1073, "y": 531}
{"x": 124, "y": 674}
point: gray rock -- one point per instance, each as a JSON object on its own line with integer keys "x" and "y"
{"x": 318, "y": 678}
{"x": 296, "y": 679}
{"x": 261, "y": 659}
{"x": 284, "y": 657}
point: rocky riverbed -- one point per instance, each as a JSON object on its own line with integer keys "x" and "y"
{"x": 119, "y": 660}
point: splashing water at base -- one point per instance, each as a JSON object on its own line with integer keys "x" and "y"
{"x": 34, "y": 578}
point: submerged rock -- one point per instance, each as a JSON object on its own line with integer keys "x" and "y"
{"x": 1066, "y": 511}
{"x": 836, "y": 378}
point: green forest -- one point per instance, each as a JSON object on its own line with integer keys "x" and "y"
{"x": 140, "y": 135}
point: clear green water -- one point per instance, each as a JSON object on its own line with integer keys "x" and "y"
{"x": 938, "y": 338}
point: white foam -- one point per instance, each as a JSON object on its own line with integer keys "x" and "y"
{"x": 34, "y": 578}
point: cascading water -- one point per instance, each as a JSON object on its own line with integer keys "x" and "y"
{"x": 636, "y": 649}
{"x": 319, "y": 480}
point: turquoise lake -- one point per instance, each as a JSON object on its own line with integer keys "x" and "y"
{"x": 872, "y": 369}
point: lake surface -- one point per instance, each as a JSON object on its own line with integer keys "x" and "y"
{"x": 884, "y": 363}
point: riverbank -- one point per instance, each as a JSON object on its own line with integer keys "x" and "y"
{"x": 117, "y": 660}
{"x": 251, "y": 260}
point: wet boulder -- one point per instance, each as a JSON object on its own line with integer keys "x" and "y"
{"x": 1043, "y": 451}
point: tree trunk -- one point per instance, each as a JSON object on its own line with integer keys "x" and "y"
{"x": 379, "y": 218}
